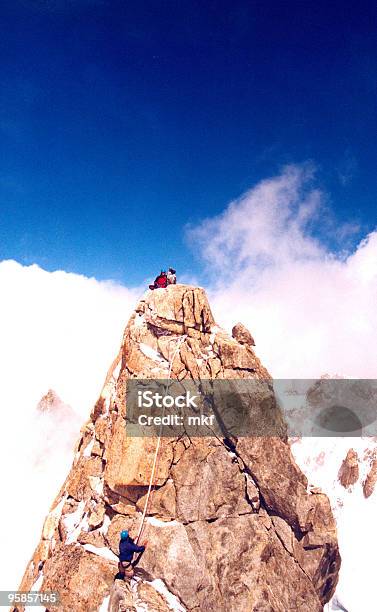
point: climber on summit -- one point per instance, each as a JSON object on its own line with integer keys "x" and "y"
{"x": 160, "y": 282}
{"x": 172, "y": 278}
{"x": 127, "y": 549}
{"x": 163, "y": 280}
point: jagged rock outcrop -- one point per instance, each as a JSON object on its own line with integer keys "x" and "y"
{"x": 49, "y": 402}
{"x": 371, "y": 478}
{"x": 242, "y": 334}
{"x": 349, "y": 470}
{"x": 231, "y": 525}
{"x": 55, "y": 430}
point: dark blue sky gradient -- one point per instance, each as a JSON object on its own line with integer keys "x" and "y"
{"x": 120, "y": 122}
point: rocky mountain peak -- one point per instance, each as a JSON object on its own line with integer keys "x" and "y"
{"x": 49, "y": 402}
{"x": 230, "y": 526}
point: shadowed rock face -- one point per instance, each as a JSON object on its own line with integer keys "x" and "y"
{"x": 231, "y": 526}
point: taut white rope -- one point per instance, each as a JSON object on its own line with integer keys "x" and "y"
{"x": 180, "y": 340}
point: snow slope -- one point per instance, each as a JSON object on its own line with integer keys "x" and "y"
{"x": 320, "y": 459}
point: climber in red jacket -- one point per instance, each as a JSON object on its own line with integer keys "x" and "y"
{"x": 160, "y": 282}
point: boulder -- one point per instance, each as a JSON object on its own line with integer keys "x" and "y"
{"x": 82, "y": 578}
{"x": 371, "y": 479}
{"x": 242, "y": 335}
{"x": 129, "y": 461}
{"x": 349, "y": 470}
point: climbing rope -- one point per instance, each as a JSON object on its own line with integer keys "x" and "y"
{"x": 156, "y": 454}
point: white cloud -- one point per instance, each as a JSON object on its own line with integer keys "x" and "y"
{"x": 310, "y": 310}
{"x": 59, "y": 331}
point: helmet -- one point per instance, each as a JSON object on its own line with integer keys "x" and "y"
{"x": 172, "y": 270}
{"x": 124, "y": 534}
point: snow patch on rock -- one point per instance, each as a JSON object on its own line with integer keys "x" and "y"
{"x": 103, "y": 552}
{"x": 117, "y": 370}
{"x": 105, "y": 604}
{"x": 172, "y": 601}
{"x": 152, "y": 520}
{"x": 105, "y": 525}
{"x": 75, "y": 522}
{"x": 38, "y": 583}
{"x": 139, "y": 320}
{"x": 151, "y": 353}
{"x": 36, "y": 587}
{"x": 96, "y": 483}
{"x": 88, "y": 449}
{"x": 320, "y": 459}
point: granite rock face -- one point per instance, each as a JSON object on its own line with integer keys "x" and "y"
{"x": 231, "y": 525}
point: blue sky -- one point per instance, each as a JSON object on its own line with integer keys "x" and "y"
{"x": 122, "y": 122}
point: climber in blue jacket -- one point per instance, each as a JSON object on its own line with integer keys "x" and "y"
{"x": 127, "y": 549}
